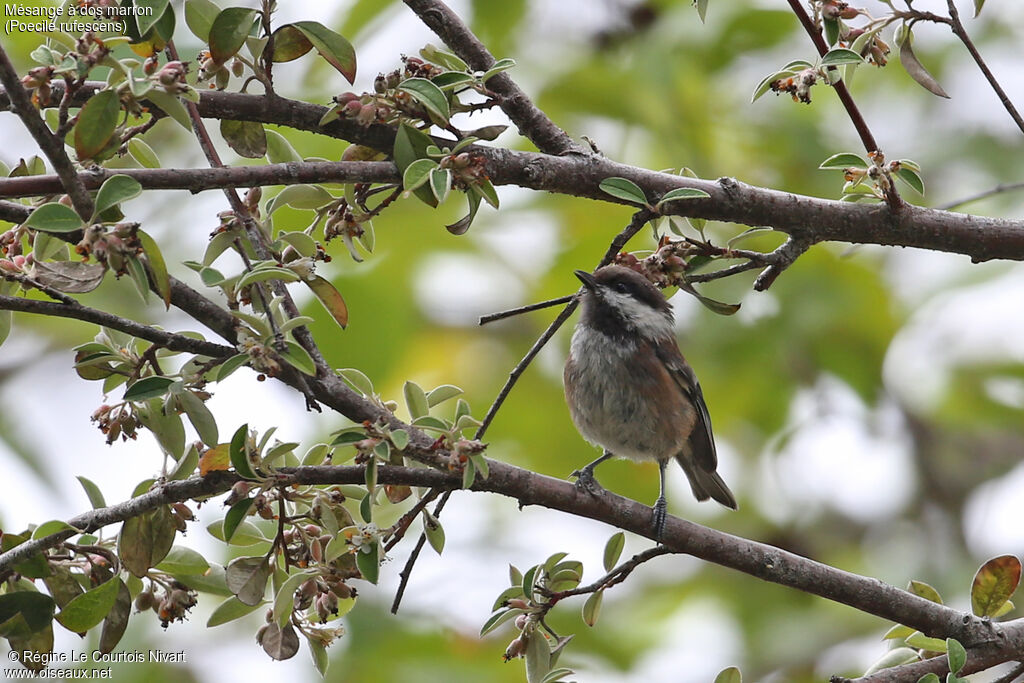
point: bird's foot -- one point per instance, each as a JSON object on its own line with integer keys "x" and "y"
{"x": 586, "y": 481}
{"x": 658, "y": 518}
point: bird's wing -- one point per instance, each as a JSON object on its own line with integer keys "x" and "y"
{"x": 701, "y": 439}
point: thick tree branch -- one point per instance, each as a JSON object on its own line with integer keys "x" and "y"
{"x": 810, "y": 218}
{"x": 533, "y": 123}
{"x": 528, "y": 488}
{"x": 174, "y": 342}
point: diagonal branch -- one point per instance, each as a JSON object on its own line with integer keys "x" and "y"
{"x": 532, "y": 122}
{"x": 50, "y": 144}
{"x": 958, "y": 28}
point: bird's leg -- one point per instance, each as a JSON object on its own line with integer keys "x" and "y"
{"x": 660, "y": 505}
{"x": 585, "y": 479}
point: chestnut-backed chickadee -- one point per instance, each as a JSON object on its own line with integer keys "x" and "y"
{"x": 631, "y": 392}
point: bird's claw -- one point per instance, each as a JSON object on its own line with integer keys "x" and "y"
{"x": 586, "y": 481}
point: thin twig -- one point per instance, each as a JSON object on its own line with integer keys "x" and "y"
{"x": 398, "y": 529}
{"x": 406, "y": 572}
{"x": 174, "y": 342}
{"x": 961, "y": 33}
{"x": 998, "y": 189}
{"x": 867, "y": 139}
{"x": 500, "y": 315}
{"x": 616, "y": 576}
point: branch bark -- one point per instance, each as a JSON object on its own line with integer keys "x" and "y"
{"x": 528, "y": 488}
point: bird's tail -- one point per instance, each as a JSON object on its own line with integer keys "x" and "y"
{"x": 707, "y": 484}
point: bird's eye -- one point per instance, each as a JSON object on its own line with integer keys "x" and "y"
{"x": 621, "y": 287}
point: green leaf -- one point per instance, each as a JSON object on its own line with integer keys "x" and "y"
{"x": 151, "y": 12}
{"x": 922, "y": 642}
{"x": 172, "y": 106}
{"x": 415, "y": 400}
{"x": 702, "y": 9}
{"x": 957, "y": 655}
{"x": 978, "y": 4}
{"x": 147, "y": 388}
{"x": 331, "y": 298}
{"x": 114, "y": 190}
{"x": 301, "y": 197}
{"x": 613, "y": 550}
{"x": 96, "y": 123}
{"x": 434, "y": 54}
{"x": 929, "y": 678}
{"x": 200, "y": 15}
{"x": 247, "y": 138}
{"x": 498, "y": 67}
{"x": 766, "y": 83}
{"x": 913, "y": 65}
{"x": 186, "y": 466}
{"x": 682, "y": 193}
{"x": 499, "y": 618}
{"x": 468, "y": 474}
{"x": 247, "y": 578}
{"x": 411, "y": 144}
{"x": 89, "y": 608}
{"x": 922, "y": 589}
{"x": 400, "y": 438}
{"x": 332, "y": 47}
{"x": 279, "y": 150}
{"x": 592, "y": 607}
{"x": 461, "y": 226}
{"x": 912, "y": 178}
{"x": 729, "y": 675}
{"x": 898, "y": 632}
{"x": 442, "y": 393}
{"x": 35, "y": 609}
{"x": 233, "y": 519}
{"x": 298, "y": 358}
{"x": 994, "y": 583}
{"x": 229, "y": 610}
{"x": 440, "y": 183}
{"x": 357, "y": 380}
{"x": 831, "y": 31}
{"x": 116, "y": 621}
{"x": 290, "y": 43}
{"x": 623, "y": 188}
{"x": 182, "y": 560}
{"x": 429, "y": 95}
{"x": 157, "y": 267}
{"x": 200, "y": 416}
{"x": 434, "y": 532}
{"x": 93, "y": 493}
{"x": 417, "y": 174}
{"x": 844, "y": 160}
{"x": 284, "y": 600}
{"x": 368, "y": 563}
{"x": 143, "y": 153}
{"x": 229, "y": 31}
{"x": 230, "y": 365}
{"x": 145, "y": 540}
{"x": 840, "y": 56}
{"x": 55, "y": 218}
{"x": 239, "y": 453}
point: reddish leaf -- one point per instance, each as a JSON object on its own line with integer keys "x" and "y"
{"x": 994, "y": 583}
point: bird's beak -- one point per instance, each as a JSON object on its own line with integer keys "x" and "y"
{"x": 587, "y": 279}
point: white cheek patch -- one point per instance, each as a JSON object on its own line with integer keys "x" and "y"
{"x": 649, "y": 323}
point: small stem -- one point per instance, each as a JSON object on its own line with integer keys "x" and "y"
{"x": 500, "y": 315}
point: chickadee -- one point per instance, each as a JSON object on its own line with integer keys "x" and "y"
{"x": 631, "y": 392}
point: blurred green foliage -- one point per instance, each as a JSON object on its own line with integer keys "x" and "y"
{"x": 668, "y": 92}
